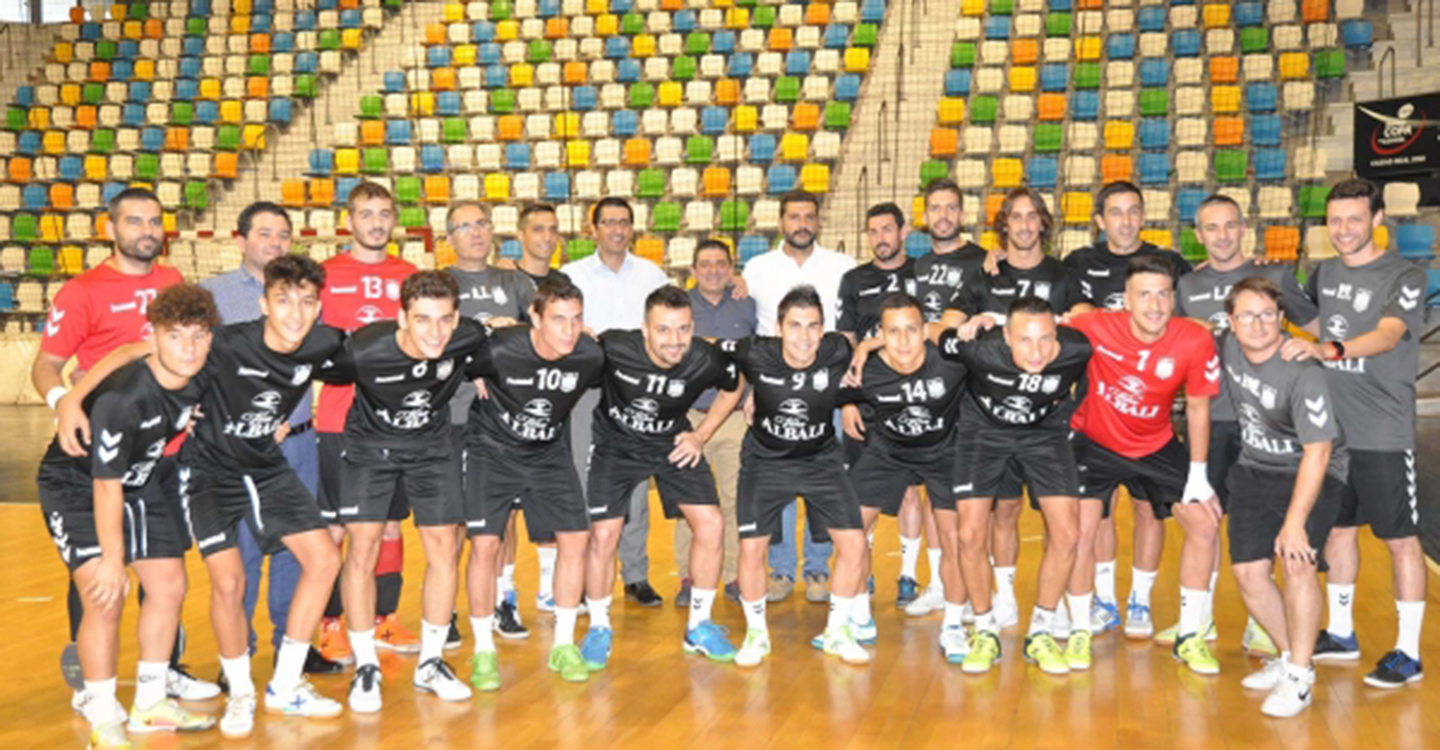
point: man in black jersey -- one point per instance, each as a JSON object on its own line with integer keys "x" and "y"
{"x": 951, "y": 262}
{"x": 791, "y": 450}
{"x": 1016, "y": 421}
{"x": 912, "y": 394}
{"x": 106, "y": 511}
{"x": 539, "y": 237}
{"x": 652, "y": 377}
{"x": 398, "y": 433}
{"x": 517, "y": 447}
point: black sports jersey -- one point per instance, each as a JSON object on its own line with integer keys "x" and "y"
{"x": 553, "y": 273}
{"x": 398, "y": 397}
{"x": 1050, "y": 281}
{"x": 644, "y": 405}
{"x": 255, "y": 390}
{"x": 861, "y": 290}
{"x": 939, "y": 277}
{"x": 132, "y": 417}
{"x": 530, "y": 397}
{"x": 794, "y": 409}
{"x": 915, "y": 410}
{"x": 1006, "y": 395}
{"x": 1101, "y": 273}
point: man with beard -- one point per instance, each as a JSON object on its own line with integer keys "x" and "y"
{"x": 951, "y": 263}
{"x": 769, "y": 277}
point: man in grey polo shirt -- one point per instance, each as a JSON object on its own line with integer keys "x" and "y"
{"x": 616, "y": 283}
{"x": 263, "y": 234}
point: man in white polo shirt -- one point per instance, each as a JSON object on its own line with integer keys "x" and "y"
{"x": 798, "y": 260}
{"x": 617, "y": 282}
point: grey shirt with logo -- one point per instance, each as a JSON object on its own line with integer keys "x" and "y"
{"x": 485, "y": 294}
{"x": 1282, "y": 406}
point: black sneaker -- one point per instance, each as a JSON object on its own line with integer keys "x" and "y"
{"x": 317, "y": 664}
{"x": 452, "y": 638}
{"x": 732, "y": 591}
{"x": 682, "y": 599}
{"x": 507, "y": 622}
{"x": 1394, "y": 670}
{"x": 642, "y": 594}
{"x": 1330, "y": 647}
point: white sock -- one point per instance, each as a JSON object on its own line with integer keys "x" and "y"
{"x": 1342, "y": 604}
{"x": 755, "y": 615}
{"x": 937, "y": 581}
{"x": 1080, "y": 611}
{"x": 432, "y": 640}
{"x": 1411, "y": 616}
{"x": 237, "y": 673}
{"x": 701, "y": 602}
{"x": 986, "y": 622}
{"x": 101, "y": 706}
{"x": 507, "y": 578}
{"x": 1210, "y": 600}
{"x": 290, "y": 665}
{"x": 547, "y": 557}
{"x": 362, "y": 642}
{"x": 840, "y": 607}
{"x": 1005, "y": 587}
{"x": 150, "y": 683}
{"x": 910, "y": 557}
{"x": 565, "y": 625}
{"x": 1040, "y": 620}
{"x": 860, "y": 611}
{"x": 1141, "y": 581}
{"x": 954, "y": 615}
{"x": 600, "y": 611}
{"x": 1105, "y": 581}
{"x": 1192, "y": 612}
{"x": 484, "y": 635}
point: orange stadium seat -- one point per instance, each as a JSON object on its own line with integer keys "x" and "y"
{"x": 1282, "y": 243}
{"x": 322, "y": 191}
{"x": 944, "y": 142}
{"x": 1224, "y": 69}
{"x": 292, "y": 193}
{"x": 1116, "y": 167}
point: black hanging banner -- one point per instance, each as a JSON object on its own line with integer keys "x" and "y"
{"x": 1396, "y": 137}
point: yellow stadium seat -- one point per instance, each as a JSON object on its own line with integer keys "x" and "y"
{"x": 857, "y": 60}
{"x": 972, "y": 7}
{"x": 1294, "y": 65}
{"x": 95, "y": 167}
{"x": 240, "y": 25}
{"x": 64, "y": 52}
{"x": 567, "y": 125}
{"x": 231, "y": 111}
{"x": 577, "y": 153}
{"x": 815, "y": 178}
{"x": 642, "y": 46}
{"x": 522, "y": 75}
{"x": 1007, "y": 173}
{"x": 454, "y": 13}
{"x": 747, "y": 119}
{"x": 52, "y": 227}
{"x": 1022, "y": 79}
{"x": 497, "y": 187}
{"x": 1119, "y": 135}
{"x": 352, "y": 39}
{"x": 671, "y": 94}
{"x": 605, "y": 25}
{"x": 794, "y": 147}
{"x": 989, "y": 240}
{"x": 209, "y": 88}
{"x": 145, "y": 69}
{"x": 1156, "y": 237}
{"x": 1225, "y": 99}
{"x": 507, "y": 30}
{"x": 917, "y": 211}
{"x": 464, "y": 55}
{"x": 70, "y": 94}
{"x": 1077, "y": 207}
{"x": 53, "y": 142}
{"x": 1087, "y": 48}
{"x": 347, "y": 161}
{"x": 1217, "y": 15}
{"x": 597, "y": 7}
{"x": 951, "y": 111}
{"x": 38, "y": 118}
{"x": 737, "y": 19}
{"x": 422, "y": 104}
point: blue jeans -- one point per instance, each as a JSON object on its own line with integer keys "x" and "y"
{"x": 303, "y": 456}
{"x": 782, "y": 554}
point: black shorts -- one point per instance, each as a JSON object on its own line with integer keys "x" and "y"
{"x": 332, "y": 468}
{"x": 1158, "y": 478}
{"x": 614, "y": 472}
{"x": 1381, "y": 494}
{"x": 990, "y": 457}
{"x": 884, "y": 472}
{"x": 768, "y": 485}
{"x": 541, "y": 482}
{"x": 154, "y": 526}
{"x": 373, "y": 475}
{"x": 1262, "y": 498}
{"x": 273, "y": 502}
{"x": 1224, "y": 452}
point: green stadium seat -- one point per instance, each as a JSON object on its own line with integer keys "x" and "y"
{"x": 258, "y": 65}
{"x": 182, "y": 113}
{"x": 1254, "y": 39}
{"x": 632, "y": 24}
{"x": 1087, "y": 75}
{"x": 734, "y": 216}
{"x": 375, "y": 161}
{"x": 665, "y": 217}
{"x": 1190, "y": 247}
{"x": 1231, "y": 165}
{"x": 1330, "y": 63}
{"x": 1048, "y": 137}
{"x": 329, "y": 39}
{"x": 197, "y": 196}
{"x": 697, "y": 43}
{"x": 306, "y": 86}
{"x": 1154, "y": 102}
{"x": 984, "y": 108}
{"x": 539, "y": 51}
{"x": 147, "y": 167}
{"x": 837, "y": 116}
{"x": 787, "y": 89}
{"x": 1057, "y": 24}
{"x": 962, "y": 55}
{"x": 932, "y": 170}
{"x": 866, "y": 35}
{"x": 642, "y": 95}
{"x": 102, "y": 141}
{"x": 502, "y": 101}
{"x": 683, "y": 68}
{"x": 227, "y": 137}
{"x": 650, "y": 183}
{"x": 407, "y": 189}
{"x": 372, "y": 106}
{"x": 699, "y": 149}
{"x": 413, "y": 217}
{"x": 1312, "y": 201}
{"x": 763, "y": 17}
{"x": 453, "y": 129}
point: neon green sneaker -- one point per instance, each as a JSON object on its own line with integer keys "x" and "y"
{"x": 1077, "y": 650}
{"x": 167, "y": 716}
{"x": 569, "y": 663}
{"x": 1196, "y": 655}
{"x": 1166, "y": 637}
{"x": 755, "y": 648}
{"x": 1256, "y": 641}
{"x": 485, "y": 671}
{"x": 1042, "y": 649}
{"x": 984, "y": 652}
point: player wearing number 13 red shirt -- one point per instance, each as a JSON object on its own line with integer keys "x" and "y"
{"x": 1142, "y": 359}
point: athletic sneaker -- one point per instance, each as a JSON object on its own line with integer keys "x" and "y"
{"x": 238, "y": 720}
{"x": 390, "y": 635}
{"x": 364, "y": 690}
{"x": 1331, "y": 647}
{"x": 1137, "y": 620}
{"x": 682, "y": 597}
{"x": 708, "y": 640}
{"x": 435, "y": 676}
{"x": 866, "y": 633}
{"x": 1042, "y": 649}
{"x": 544, "y": 603}
{"x": 183, "y": 686}
{"x": 485, "y": 671}
{"x": 78, "y": 699}
{"x": 1060, "y": 625}
{"x": 1256, "y": 641}
{"x": 305, "y": 702}
{"x": 167, "y": 716}
{"x": 932, "y": 599}
{"x": 1292, "y": 695}
{"x": 335, "y": 642}
{"x": 841, "y": 642}
{"x": 453, "y": 638}
{"x": 109, "y": 736}
{"x": 954, "y": 643}
{"x": 1104, "y": 616}
{"x": 906, "y": 589}
{"x": 779, "y": 588}
{"x": 641, "y": 593}
{"x": 1196, "y": 655}
{"x": 1166, "y": 637}
{"x": 1007, "y": 615}
{"x": 984, "y": 652}
{"x": 755, "y": 648}
{"x": 1395, "y": 670}
{"x": 1268, "y": 677}
{"x": 1077, "y": 650}
{"x": 817, "y": 588}
{"x": 569, "y": 663}
{"x": 507, "y": 622}
{"x": 596, "y": 648}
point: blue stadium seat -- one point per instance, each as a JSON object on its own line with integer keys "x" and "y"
{"x": 139, "y": 91}
{"x": 762, "y": 148}
{"x": 282, "y": 110}
{"x": 394, "y": 81}
{"x": 957, "y": 82}
{"x": 487, "y": 54}
{"x": 350, "y": 19}
{"x": 627, "y": 71}
{"x": 1120, "y": 46}
{"x": 305, "y": 20}
{"x": 397, "y": 132}
{"x": 1265, "y": 130}
{"x": 260, "y": 23}
{"x": 129, "y": 49}
{"x": 282, "y": 41}
{"x": 714, "y": 120}
{"x": 1060, "y": 6}
{"x": 132, "y": 115}
{"x": 432, "y": 158}
{"x": 723, "y": 42}
{"x": 1053, "y": 77}
{"x": 797, "y": 63}
{"x": 190, "y": 66}
{"x": 1270, "y": 164}
{"x": 25, "y": 96}
{"x": 192, "y": 46}
{"x": 997, "y": 27}
{"x": 741, "y": 64}
{"x": 207, "y": 112}
{"x": 621, "y": 7}
{"x": 72, "y": 169}
{"x": 684, "y": 21}
{"x": 1249, "y": 14}
{"x": 512, "y": 249}
{"x": 919, "y": 243}
{"x": 625, "y": 123}
{"x": 1042, "y": 171}
{"x": 36, "y": 197}
{"x": 262, "y": 6}
{"x": 29, "y": 142}
{"x": 779, "y": 179}
{"x": 752, "y": 245}
{"x": 122, "y": 70}
{"x": 482, "y": 32}
{"x": 585, "y": 98}
{"x": 837, "y": 36}
{"x": 1154, "y": 168}
{"x": 497, "y": 76}
{"x": 1358, "y": 33}
{"x": 307, "y": 62}
{"x": 343, "y": 186}
{"x": 872, "y": 11}
{"x": 617, "y": 47}
{"x": 1188, "y": 202}
{"x": 1415, "y": 242}
{"x": 186, "y": 89}
{"x": 111, "y": 189}
{"x": 1185, "y": 43}
{"x": 327, "y": 4}
{"x": 152, "y": 139}
{"x": 1155, "y": 133}
{"x": 847, "y": 88}
{"x": 1261, "y": 97}
{"x": 7, "y": 296}
{"x": 447, "y": 104}
{"x": 90, "y": 31}
{"x": 438, "y": 56}
{"x": 548, "y": 8}
{"x": 200, "y": 7}
{"x": 322, "y": 161}
{"x": 1085, "y": 105}
{"x": 557, "y": 186}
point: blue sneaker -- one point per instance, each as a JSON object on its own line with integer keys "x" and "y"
{"x": 596, "y": 648}
{"x": 708, "y": 640}
{"x": 1331, "y": 647}
{"x": 1138, "y": 624}
{"x": 906, "y": 589}
{"x": 1104, "y": 616}
{"x": 1395, "y": 669}
{"x": 865, "y": 632}
{"x": 870, "y": 586}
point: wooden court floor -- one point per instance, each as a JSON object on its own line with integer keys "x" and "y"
{"x": 652, "y": 696}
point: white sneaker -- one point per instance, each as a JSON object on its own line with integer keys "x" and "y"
{"x": 1060, "y": 626}
{"x": 1256, "y": 641}
{"x": 929, "y": 600}
{"x": 304, "y": 702}
{"x": 544, "y": 603}
{"x": 1137, "y": 620}
{"x": 364, "y": 690}
{"x": 865, "y": 632}
{"x": 841, "y": 642}
{"x": 435, "y": 676}
{"x": 954, "y": 643}
{"x": 755, "y": 648}
{"x": 238, "y": 720}
{"x": 78, "y": 701}
{"x": 1007, "y": 613}
{"x": 182, "y": 686}
{"x": 109, "y": 736}
{"x": 1268, "y": 677}
{"x": 1292, "y": 695}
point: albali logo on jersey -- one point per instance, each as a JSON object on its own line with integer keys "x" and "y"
{"x": 792, "y": 424}
{"x": 262, "y": 422}
{"x": 1127, "y": 397}
{"x": 533, "y": 421}
{"x": 1397, "y": 137}
{"x": 641, "y": 415}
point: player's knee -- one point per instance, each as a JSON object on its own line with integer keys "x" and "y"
{"x": 325, "y": 561}
{"x": 1064, "y": 538}
{"x": 229, "y": 586}
{"x": 972, "y": 538}
{"x": 1294, "y": 568}
{"x": 1250, "y": 576}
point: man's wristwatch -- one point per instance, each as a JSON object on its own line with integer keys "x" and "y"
{"x": 1339, "y": 351}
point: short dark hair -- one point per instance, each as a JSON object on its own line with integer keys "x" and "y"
{"x": 801, "y": 296}
{"x": 611, "y": 201}
{"x": 183, "y": 305}
{"x": 1258, "y": 285}
{"x": 429, "y": 285}
{"x": 555, "y": 289}
{"x": 798, "y": 196}
{"x": 535, "y": 208}
{"x": 1217, "y": 199}
{"x": 1155, "y": 264}
{"x": 1002, "y": 217}
{"x": 1031, "y": 305}
{"x": 247, "y": 217}
{"x": 131, "y": 194}
{"x": 1112, "y": 189}
{"x": 294, "y": 271}
{"x": 712, "y": 244}
{"x": 886, "y": 209}
{"x": 669, "y": 296}
{"x": 1357, "y": 187}
{"x": 367, "y": 190}
{"x": 942, "y": 185}
{"x": 901, "y": 301}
